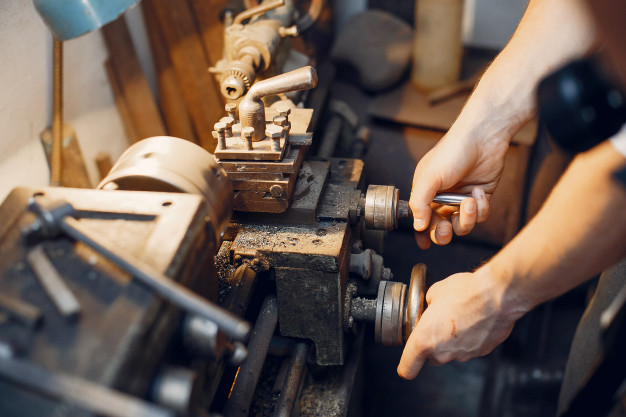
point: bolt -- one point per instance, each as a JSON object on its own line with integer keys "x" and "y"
{"x": 229, "y": 122}
{"x": 274, "y": 133}
{"x": 220, "y": 133}
{"x": 248, "y": 133}
{"x": 276, "y": 190}
{"x": 231, "y": 109}
{"x": 280, "y": 121}
{"x": 284, "y": 111}
{"x": 237, "y": 260}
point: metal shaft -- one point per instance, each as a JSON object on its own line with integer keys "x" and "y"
{"x": 238, "y": 404}
{"x": 57, "y": 113}
{"x": 52, "y": 283}
{"x": 95, "y": 398}
{"x": 167, "y": 288}
{"x": 293, "y": 380}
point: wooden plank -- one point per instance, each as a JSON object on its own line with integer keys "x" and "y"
{"x": 199, "y": 89}
{"x": 408, "y": 106}
{"x": 120, "y": 103}
{"x": 138, "y": 98}
{"x": 170, "y": 95}
{"x": 74, "y": 173}
{"x": 207, "y": 14}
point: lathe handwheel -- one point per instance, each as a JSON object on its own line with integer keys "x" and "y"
{"x": 415, "y": 299}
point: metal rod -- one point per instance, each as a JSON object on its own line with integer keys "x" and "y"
{"x": 450, "y": 199}
{"x": 258, "y": 10}
{"x": 363, "y": 309}
{"x": 238, "y": 404}
{"x": 56, "y": 159}
{"x": 52, "y": 283}
{"x": 167, "y": 288}
{"x": 26, "y": 313}
{"x": 95, "y": 398}
{"x": 293, "y": 380}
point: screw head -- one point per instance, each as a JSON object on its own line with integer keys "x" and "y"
{"x": 283, "y": 110}
{"x": 276, "y": 190}
{"x": 247, "y": 132}
{"x": 228, "y": 121}
{"x": 220, "y": 127}
{"x": 280, "y": 121}
{"x": 273, "y": 131}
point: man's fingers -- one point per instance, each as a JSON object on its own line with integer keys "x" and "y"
{"x": 421, "y": 197}
{"x": 464, "y": 221}
{"x": 441, "y": 231}
{"x": 412, "y": 361}
{"x": 482, "y": 204}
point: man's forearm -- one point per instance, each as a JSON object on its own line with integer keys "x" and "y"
{"x": 580, "y": 231}
{"x": 551, "y": 33}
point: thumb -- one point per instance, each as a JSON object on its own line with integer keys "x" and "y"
{"x": 422, "y": 194}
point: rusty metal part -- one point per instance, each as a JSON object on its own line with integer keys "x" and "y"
{"x": 87, "y": 395}
{"x": 174, "y": 388}
{"x": 53, "y": 284}
{"x": 238, "y": 403}
{"x": 396, "y": 310}
{"x": 57, "y": 114}
{"x": 170, "y": 164}
{"x": 364, "y": 309}
{"x": 20, "y": 310}
{"x": 257, "y": 10}
{"x": 231, "y": 109}
{"x": 361, "y": 264}
{"x": 390, "y": 305}
{"x": 381, "y": 207}
{"x": 252, "y": 109}
{"x": 253, "y": 47}
{"x": 293, "y": 380}
{"x": 415, "y": 299}
{"x": 58, "y": 220}
{"x": 304, "y": 23}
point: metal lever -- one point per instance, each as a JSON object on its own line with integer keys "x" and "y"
{"x": 251, "y": 108}
{"x": 450, "y": 199}
{"x": 61, "y": 220}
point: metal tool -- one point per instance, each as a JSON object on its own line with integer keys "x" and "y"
{"x": 383, "y": 208}
{"x": 52, "y": 283}
{"x": 450, "y": 199}
{"x": 60, "y": 219}
{"x": 90, "y": 396}
{"x": 21, "y": 311}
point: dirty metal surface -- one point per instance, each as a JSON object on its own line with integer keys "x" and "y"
{"x": 304, "y": 205}
{"x": 261, "y": 151}
{"x": 288, "y": 165}
{"x": 119, "y": 317}
{"x": 338, "y": 393}
{"x": 308, "y": 246}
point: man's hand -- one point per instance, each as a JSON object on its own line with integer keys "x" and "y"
{"x": 464, "y": 319}
{"x": 457, "y": 164}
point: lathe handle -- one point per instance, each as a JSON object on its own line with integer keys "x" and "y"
{"x": 415, "y": 296}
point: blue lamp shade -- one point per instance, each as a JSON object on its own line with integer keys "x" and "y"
{"x": 68, "y": 19}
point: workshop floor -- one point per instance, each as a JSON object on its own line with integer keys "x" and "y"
{"x": 520, "y": 379}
